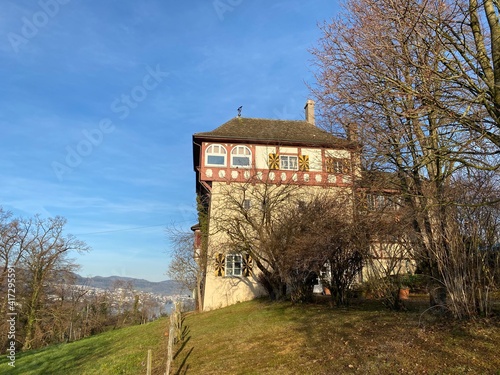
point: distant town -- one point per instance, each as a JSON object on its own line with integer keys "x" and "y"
{"x": 125, "y": 290}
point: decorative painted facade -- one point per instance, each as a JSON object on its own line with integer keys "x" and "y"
{"x": 261, "y": 151}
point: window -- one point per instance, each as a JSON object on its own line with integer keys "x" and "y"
{"x": 288, "y": 162}
{"x": 246, "y": 204}
{"x": 337, "y": 166}
{"x": 378, "y": 202}
{"x": 371, "y": 202}
{"x": 234, "y": 264}
{"x": 241, "y": 157}
{"x": 393, "y": 202}
{"x": 216, "y": 155}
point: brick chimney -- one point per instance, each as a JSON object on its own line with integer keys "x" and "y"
{"x": 352, "y": 132}
{"x": 309, "y": 109}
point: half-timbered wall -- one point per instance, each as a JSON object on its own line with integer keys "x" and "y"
{"x": 278, "y": 164}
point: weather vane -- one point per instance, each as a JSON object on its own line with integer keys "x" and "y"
{"x": 239, "y": 110}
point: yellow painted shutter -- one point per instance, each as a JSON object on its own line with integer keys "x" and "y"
{"x": 346, "y": 166}
{"x": 329, "y": 164}
{"x": 362, "y": 200}
{"x": 274, "y": 161}
{"x": 304, "y": 163}
{"x": 247, "y": 265}
{"x": 220, "y": 265}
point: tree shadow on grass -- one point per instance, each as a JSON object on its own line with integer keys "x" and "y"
{"x": 369, "y": 336}
{"x": 185, "y": 338}
{"x": 181, "y": 348}
{"x": 183, "y": 367}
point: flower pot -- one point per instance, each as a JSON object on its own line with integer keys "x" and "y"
{"x": 404, "y": 293}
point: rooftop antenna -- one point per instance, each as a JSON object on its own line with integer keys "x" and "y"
{"x": 239, "y": 110}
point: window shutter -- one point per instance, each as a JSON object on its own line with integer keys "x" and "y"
{"x": 304, "y": 163}
{"x": 274, "y": 161}
{"x": 247, "y": 265}
{"x": 346, "y": 166}
{"x": 220, "y": 265}
{"x": 329, "y": 164}
{"x": 362, "y": 201}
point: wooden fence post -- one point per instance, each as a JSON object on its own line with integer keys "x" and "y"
{"x": 174, "y": 334}
{"x": 149, "y": 362}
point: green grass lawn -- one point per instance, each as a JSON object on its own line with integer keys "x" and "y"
{"x": 122, "y": 351}
{"x": 260, "y": 337}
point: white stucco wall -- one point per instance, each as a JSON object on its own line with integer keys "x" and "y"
{"x": 262, "y": 156}
{"x": 225, "y": 291}
{"x": 315, "y": 159}
{"x": 338, "y": 154}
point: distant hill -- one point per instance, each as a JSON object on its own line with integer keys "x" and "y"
{"x": 166, "y": 287}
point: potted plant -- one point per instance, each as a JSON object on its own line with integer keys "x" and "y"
{"x": 404, "y": 287}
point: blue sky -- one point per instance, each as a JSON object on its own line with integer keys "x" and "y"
{"x": 99, "y": 101}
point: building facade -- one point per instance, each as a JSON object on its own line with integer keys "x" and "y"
{"x": 245, "y": 153}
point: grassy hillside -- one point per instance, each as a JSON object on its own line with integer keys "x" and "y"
{"x": 123, "y": 351}
{"x": 260, "y": 337}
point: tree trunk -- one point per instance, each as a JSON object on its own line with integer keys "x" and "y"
{"x": 437, "y": 298}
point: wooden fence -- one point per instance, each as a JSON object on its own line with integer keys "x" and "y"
{"x": 174, "y": 334}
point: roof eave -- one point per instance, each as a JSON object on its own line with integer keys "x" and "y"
{"x": 268, "y": 141}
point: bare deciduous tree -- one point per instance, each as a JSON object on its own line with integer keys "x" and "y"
{"x": 292, "y": 234}
{"x": 384, "y": 76}
{"x": 183, "y": 266}
{"x": 469, "y": 31}
{"x": 390, "y": 260}
{"x": 189, "y": 254}
{"x": 335, "y": 243}
{"x": 253, "y": 217}
{"x": 44, "y": 259}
